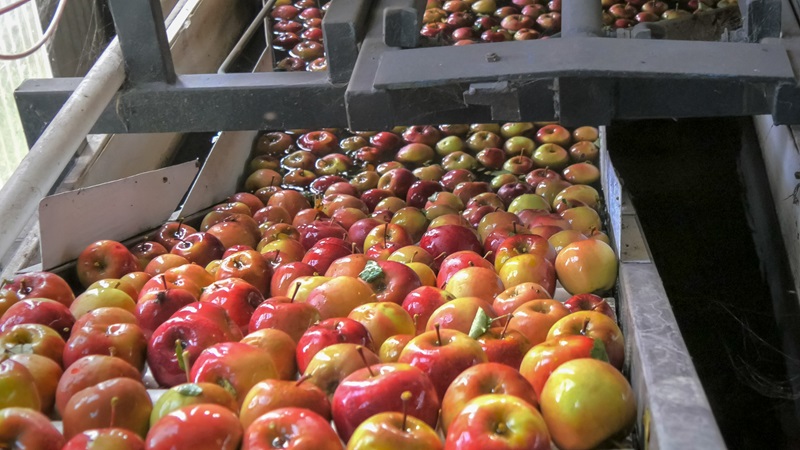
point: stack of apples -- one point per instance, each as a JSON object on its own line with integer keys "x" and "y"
{"x": 297, "y": 35}
{"x": 464, "y": 22}
{"x": 364, "y": 290}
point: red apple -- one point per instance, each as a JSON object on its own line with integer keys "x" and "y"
{"x": 192, "y": 329}
{"x": 498, "y": 421}
{"x": 117, "y": 438}
{"x": 442, "y": 355}
{"x": 42, "y": 311}
{"x": 290, "y": 428}
{"x": 391, "y": 281}
{"x": 105, "y": 259}
{"x": 124, "y": 340}
{"x": 118, "y": 402}
{"x": 514, "y": 297}
{"x": 235, "y": 365}
{"x": 238, "y": 297}
{"x": 422, "y": 302}
{"x": 199, "y": 427}
{"x": 25, "y": 428}
{"x": 89, "y": 371}
{"x": 42, "y": 285}
{"x": 329, "y": 332}
{"x": 595, "y": 325}
{"x": 482, "y": 379}
{"x": 378, "y": 388}
{"x": 248, "y": 265}
{"x": 542, "y": 359}
{"x": 534, "y": 319}
{"x": 269, "y": 395}
{"x": 459, "y": 314}
{"x": 589, "y": 302}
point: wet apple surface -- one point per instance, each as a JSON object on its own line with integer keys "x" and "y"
{"x": 388, "y": 262}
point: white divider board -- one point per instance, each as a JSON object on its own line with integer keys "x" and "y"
{"x": 222, "y": 173}
{"x": 116, "y": 210}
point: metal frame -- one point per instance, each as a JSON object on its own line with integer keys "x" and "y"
{"x": 379, "y": 81}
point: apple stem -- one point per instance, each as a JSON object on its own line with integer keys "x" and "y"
{"x": 164, "y": 281}
{"x": 438, "y": 335}
{"x": 487, "y": 254}
{"x": 414, "y": 256}
{"x": 184, "y": 356}
{"x": 585, "y": 326}
{"x": 114, "y": 402}
{"x": 505, "y": 328}
{"x": 440, "y": 255}
{"x": 296, "y": 290}
{"x": 514, "y": 227}
{"x": 385, "y": 233}
{"x": 405, "y": 397}
{"x": 112, "y": 351}
{"x": 360, "y": 351}
{"x": 302, "y": 379}
{"x": 415, "y": 319}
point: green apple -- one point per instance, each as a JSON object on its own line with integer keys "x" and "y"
{"x": 191, "y": 394}
{"x": 552, "y": 156}
{"x": 394, "y": 430}
{"x": 528, "y": 201}
{"x": 17, "y": 386}
{"x": 519, "y": 145}
{"x": 512, "y": 129}
{"x": 450, "y": 144}
{"x": 459, "y": 160}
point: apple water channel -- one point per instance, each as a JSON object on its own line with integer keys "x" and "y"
{"x": 700, "y": 190}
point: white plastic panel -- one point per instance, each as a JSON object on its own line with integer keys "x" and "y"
{"x": 117, "y": 210}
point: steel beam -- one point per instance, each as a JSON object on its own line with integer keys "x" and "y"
{"x": 762, "y": 19}
{"x": 600, "y": 57}
{"x": 343, "y": 27}
{"x": 581, "y": 19}
{"x": 143, "y": 40}
{"x": 207, "y": 102}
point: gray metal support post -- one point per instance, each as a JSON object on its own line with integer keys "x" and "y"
{"x": 762, "y": 19}
{"x": 581, "y": 18}
{"x": 143, "y": 39}
{"x": 343, "y": 27}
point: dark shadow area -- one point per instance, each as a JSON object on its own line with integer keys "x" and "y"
{"x": 683, "y": 177}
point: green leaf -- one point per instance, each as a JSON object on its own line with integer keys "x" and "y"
{"x": 179, "y": 352}
{"x": 189, "y": 390}
{"x": 372, "y": 271}
{"x": 599, "y": 351}
{"x": 20, "y": 349}
{"x": 480, "y": 324}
